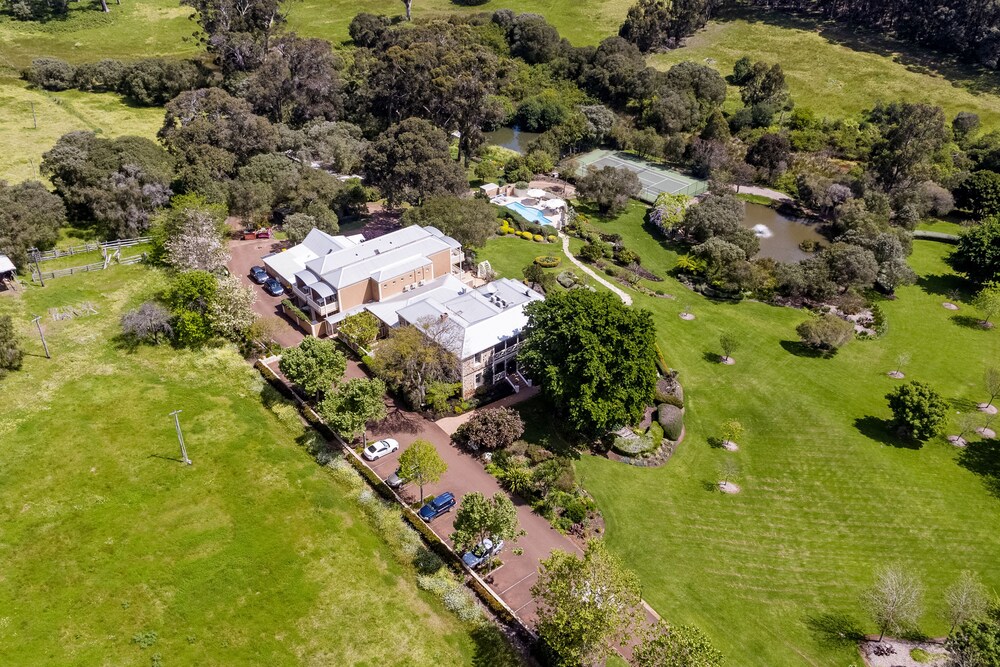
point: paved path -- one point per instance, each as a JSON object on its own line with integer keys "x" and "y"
{"x": 243, "y": 255}
{"x": 761, "y": 192}
{"x": 450, "y": 424}
{"x": 626, "y": 299}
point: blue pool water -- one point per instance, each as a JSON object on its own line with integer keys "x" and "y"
{"x": 528, "y": 213}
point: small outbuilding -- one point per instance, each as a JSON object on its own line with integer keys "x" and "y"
{"x": 7, "y": 271}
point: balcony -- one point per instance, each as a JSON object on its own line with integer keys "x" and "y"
{"x": 321, "y": 306}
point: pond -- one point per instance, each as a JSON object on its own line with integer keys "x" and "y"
{"x": 512, "y": 138}
{"x": 779, "y": 236}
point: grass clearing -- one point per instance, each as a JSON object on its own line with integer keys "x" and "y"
{"x": 772, "y": 574}
{"x": 836, "y": 73}
{"x": 22, "y": 145}
{"x": 134, "y": 29}
{"x": 243, "y": 558}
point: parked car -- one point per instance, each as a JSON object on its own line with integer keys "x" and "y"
{"x": 440, "y": 505}
{"x": 482, "y": 552}
{"x": 377, "y": 450}
{"x": 258, "y": 274}
{"x": 394, "y": 480}
{"x": 273, "y": 287}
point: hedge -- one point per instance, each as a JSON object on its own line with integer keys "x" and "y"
{"x": 548, "y": 261}
{"x": 661, "y": 363}
{"x": 436, "y": 544}
{"x": 672, "y": 420}
{"x": 295, "y": 311}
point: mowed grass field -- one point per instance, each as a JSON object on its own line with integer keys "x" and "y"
{"x": 22, "y": 144}
{"x": 252, "y": 556}
{"x": 838, "y": 74}
{"x": 828, "y": 495}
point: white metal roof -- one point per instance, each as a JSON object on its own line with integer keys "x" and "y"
{"x": 5, "y": 264}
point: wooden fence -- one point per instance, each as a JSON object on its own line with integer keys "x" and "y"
{"x": 97, "y": 266}
{"x": 44, "y": 256}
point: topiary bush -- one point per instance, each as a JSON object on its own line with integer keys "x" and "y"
{"x": 672, "y": 420}
{"x": 548, "y": 261}
{"x": 538, "y": 238}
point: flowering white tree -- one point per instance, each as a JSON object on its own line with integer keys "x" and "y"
{"x": 198, "y": 243}
{"x": 231, "y": 308}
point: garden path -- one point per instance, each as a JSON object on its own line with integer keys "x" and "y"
{"x": 626, "y": 299}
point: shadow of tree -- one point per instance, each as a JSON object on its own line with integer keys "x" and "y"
{"x": 945, "y": 285}
{"x": 983, "y": 458}
{"x": 709, "y": 485}
{"x": 968, "y": 322}
{"x": 881, "y": 430}
{"x": 800, "y": 349}
{"x": 714, "y": 442}
{"x": 834, "y": 629}
{"x": 713, "y": 357}
{"x": 397, "y": 421}
{"x": 492, "y": 648}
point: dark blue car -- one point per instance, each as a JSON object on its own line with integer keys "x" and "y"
{"x": 273, "y": 287}
{"x": 438, "y": 506}
{"x": 258, "y": 274}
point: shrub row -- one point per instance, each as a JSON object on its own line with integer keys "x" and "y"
{"x": 149, "y": 82}
{"x": 661, "y": 363}
{"x": 295, "y": 311}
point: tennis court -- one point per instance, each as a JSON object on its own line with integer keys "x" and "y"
{"x": 654, "y": 178}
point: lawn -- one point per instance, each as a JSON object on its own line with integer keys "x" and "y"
{"x": 131, "y": 30}
{"x": 839, "y": 74}
{"x": 253, "y": 555}
{"x": 828, "y": 495}
{"x": 508, "y": 255}
{"x": 22, "y": 144}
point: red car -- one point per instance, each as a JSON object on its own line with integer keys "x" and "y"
{"x": 264, "y": 233}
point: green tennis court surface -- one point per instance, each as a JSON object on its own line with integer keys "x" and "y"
{"x": 654, "y": 178}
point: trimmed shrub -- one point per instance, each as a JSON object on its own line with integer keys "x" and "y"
{"x": 538, "y": 238}
{"x": 633, "y": 446}
{"x": 548, "y": 261}
{"x": 655, "y": 434}
{"x": 552, "y": 238}
{"x": 672, "y": 420}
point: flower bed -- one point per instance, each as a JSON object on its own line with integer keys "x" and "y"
{"x": 548, "y": 261}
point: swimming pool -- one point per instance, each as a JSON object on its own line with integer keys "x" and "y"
{"x": 528, "y": 213}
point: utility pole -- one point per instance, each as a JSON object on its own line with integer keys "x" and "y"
{"x": 180, "y": 437}
{"x": 38, "y": 323}
{"x": 34, "y": 118}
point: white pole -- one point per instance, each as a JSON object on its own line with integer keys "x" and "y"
{"x": 180, "y": 437}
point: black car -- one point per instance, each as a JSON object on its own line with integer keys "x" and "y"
{"x": 258, "y": 274}
{"x": 273, "y": 287}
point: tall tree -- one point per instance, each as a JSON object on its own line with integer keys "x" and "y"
{"x": 585, "y": 606}
{"x": 987, "y": 302}
{"x": 609, "y": 188}
{"x": 665, "y": 645}
{"x": 909, "y": 136}
{"x": 917, "y": 410}
{"x": 316, "y": 365}
{"x": 411, "y": 161}
{"x": 966, "y": 598}
{"x": 30, "y": 217}
{"x": 193, "y": 235}
{"x": 894, "y": 600}
{"x": 238, "y": 31}
{"x": 479, "y": 517}
{"x": 230, "y": 310}
{"x": 977, "y": 254}
{"x": 471, "y": 222}
{"x": 413, "y": 357}
{"x": 355, "y": 404}
{"x": 11, "y": 354}
{"x": 657, "y": 25}
{"x": 421, "y": 464}
{"x": 593, "y": 357}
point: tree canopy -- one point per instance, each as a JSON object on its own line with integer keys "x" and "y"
{"x": 479, "y": 517}
{"x": 316, "y": 365}
{"x": 469, "y": 221}
{"x": 490, "y": 428}
{"x": 593, "y": 357}
{"x": 585, "y": 605}
{"x": 917, "y": 410}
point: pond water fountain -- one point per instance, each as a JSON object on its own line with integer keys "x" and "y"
{"x": 779, "y": 235}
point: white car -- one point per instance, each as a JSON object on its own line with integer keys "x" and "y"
{"x": 377, "y": 450}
